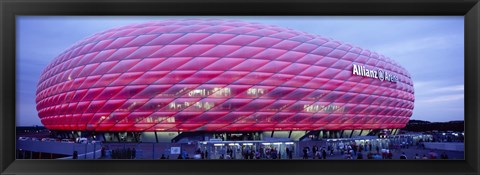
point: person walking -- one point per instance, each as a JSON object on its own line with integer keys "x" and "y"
{"x": 416, "y": 156}
{"x": 317, "y": 155}
{"x": 103, "y": 153}
{"x": 134, "y": 153}
{"x": 287, "y": 151}
{"x": 206, "y": 154}
{"x": 257, "y": 154}
{"x": 262, "y": 155}
{"x": 324, "y": 154}
{"x": 305, "y": 153}
{"x": 252, "y": 153}
{"x": 75, "y": 155}
{"x": 273, "y": 153}
{"x": 184, "y": 154}
{"x": 390, "y": 154}
{"x": 290, "y": 153}
{"x": 354, "y": 148}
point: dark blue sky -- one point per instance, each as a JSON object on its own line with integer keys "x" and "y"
{"x": 429, "y": 47}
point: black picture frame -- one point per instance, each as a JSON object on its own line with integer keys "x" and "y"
{"x": 470, "y": 9}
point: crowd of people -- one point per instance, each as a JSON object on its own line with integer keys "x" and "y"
{"x": 251, "y": 152}
{"x": 123, "y": 153}
{"x": 316, "y": 153}
{"x": 352, "y": 150}
{"x": 319, "y": 153}
{"x": 327, "y": 150}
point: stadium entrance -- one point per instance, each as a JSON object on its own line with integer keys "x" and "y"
{"x": 248, "y": 149}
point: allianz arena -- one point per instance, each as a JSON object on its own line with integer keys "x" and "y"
{"x": 218, "y": 75}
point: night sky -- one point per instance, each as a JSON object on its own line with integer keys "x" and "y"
{"x": 430, "y": 48}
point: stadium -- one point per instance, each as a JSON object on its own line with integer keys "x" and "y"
{"x": 177, "y": 80}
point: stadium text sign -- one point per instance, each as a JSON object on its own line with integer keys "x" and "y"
{"x": 374, "y": 73}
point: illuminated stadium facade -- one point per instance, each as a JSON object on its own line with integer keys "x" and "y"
{"x": 220, "y": 76}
